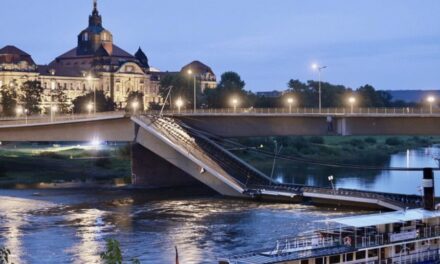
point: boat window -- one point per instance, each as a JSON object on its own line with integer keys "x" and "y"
{"x": 320, "y": 261}
{"x": 411, "y": 246}
{"x": 335, "y": 259}
{"x": 373, "y": 253}
{"x": 360, "y": 255}
{"x": 397, "y": 249}
{"x": 349, "y": 257}
{"x": 305, "y": 261}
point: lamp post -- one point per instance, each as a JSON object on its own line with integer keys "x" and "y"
{"x": 319, "y": 68}
{"x": 90, "y": 79}
{"x": 135, "y": 105}
{"x": 53, "y": 110}
{"x": 431, "y": 100}
{"x": 19, "y": 111}
{"x": 179, "y": 104}
{"x": 90, "y": 107}
{"x": 190, "y": 72}
{"x": 351, "y": 101}
{"x": 26, "y": 116}
{"x": 330, "y": 179}
{"x": 290, "y": 102}
{"x": 234, "y": 103}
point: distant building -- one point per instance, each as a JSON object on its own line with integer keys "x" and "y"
{"x": 203, "y": 73}
{"x": 270, "y": 94}
{"x": 95, "y": 63}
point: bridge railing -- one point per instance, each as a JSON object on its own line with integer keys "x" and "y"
{"x": 406, "y": 111}
{"x": 39, "y": 119}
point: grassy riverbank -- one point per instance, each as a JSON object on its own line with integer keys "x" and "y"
{"x": 31, "y": 163}
{"x": 351, "y": 150}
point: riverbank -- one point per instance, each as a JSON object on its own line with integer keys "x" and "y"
{"x": 375, "y": 151}
{"x": 54, "y": 163}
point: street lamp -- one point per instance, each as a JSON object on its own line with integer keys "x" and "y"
{"x": 431, "y": 100}
{"x": 19, "y": 111}
{"x": 290, "y": 101}
{"x": 90, "y": 107}
{"x": 351, "y": 101}
{"x": 90, "y": 79}
{"x": 234, "y": 102}
{"x": 26, "y": 115}
{"x": 53, "y": 110}
{"x": 330, "y": 179}
{"x": 190, "y": 72}
{"x": 319, "y": 68}
{"x": 135, "y": 105}
{"x": 179, "y": 103}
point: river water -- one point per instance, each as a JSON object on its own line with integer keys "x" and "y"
{"x": 71, "y": 225}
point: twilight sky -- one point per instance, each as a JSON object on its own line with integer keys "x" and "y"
{"x": 393, "y": 44}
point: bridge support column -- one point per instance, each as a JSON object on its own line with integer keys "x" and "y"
{"x": 428, "y": 189}
{"x": 150, "y": 170}
{"x": 342, "y": 126}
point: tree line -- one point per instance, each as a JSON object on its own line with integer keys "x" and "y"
{"x": 305, "y": 94}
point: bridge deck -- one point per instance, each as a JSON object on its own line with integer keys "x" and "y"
{"x": 257, "y": 185}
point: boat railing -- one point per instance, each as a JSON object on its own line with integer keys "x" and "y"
{"x": 427, "y": 256}
{"x": 378, "y": 239}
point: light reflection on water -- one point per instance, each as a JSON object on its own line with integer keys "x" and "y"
{"x": 383, "y": 181}
{"x": 70, "y": 226}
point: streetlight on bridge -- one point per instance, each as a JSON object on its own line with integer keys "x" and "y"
{"x": 89, "y": 107}
{"x": 234, "y": 102}
{"x": 319, "y": 68}
{"x": 431, "y": 100}
{"x": 19, "y": 110}
{"x": 351, "y": 101}
{"x": 89, "y": 80}
{"x": 179, "y": 103}
{"x": 290, "y": 101}
{"x": 135, "y": 105}
{"x": 53, "y": 110}
{"x": 190, "y": 72}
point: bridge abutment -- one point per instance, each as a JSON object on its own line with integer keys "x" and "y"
{"x": 150, "y": 170}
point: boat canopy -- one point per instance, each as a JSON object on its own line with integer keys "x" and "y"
{"x": 384, "y": 218}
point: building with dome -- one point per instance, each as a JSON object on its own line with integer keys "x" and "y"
{"x": 95, "y": 63}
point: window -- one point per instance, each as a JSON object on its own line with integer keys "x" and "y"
{"x": 320, "y": 261}
{"x": 335, "y": 259}
{"x": 305, "y": 261}
{"x": 360, "y": 255}
{"x": 86, "y": 36}
{"x": 349, "y": 257}
{"x": 373, "y": 253}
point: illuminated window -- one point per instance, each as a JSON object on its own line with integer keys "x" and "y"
{"x": 86, "y": 36}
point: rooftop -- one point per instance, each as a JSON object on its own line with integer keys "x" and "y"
{"x": 385, "y": 218}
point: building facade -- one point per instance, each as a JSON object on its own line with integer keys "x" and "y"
{"x": 96, "y": 63}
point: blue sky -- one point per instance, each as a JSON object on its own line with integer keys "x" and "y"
{"x": 393, "y": 44}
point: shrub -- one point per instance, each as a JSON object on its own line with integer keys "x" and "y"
{"x": 393, "y": 141}
{"x": 52, "y": 155}
{"x": 355, "y": 142}
{"x": 370, "y": 140}
{"x": 316, "y": 140}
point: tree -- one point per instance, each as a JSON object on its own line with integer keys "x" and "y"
{"x": 103, "y": 103}
{"x": 60, "y": 100}
{"x": 134, "y": 96}
{"x": 231, "y": 85}
{"x": 113, "y": 254}
{"x": 4, "y": 255}
{"x": 182, "y": 86}
{"x": 9, "y": 100}
{"x": 31, "y": 97}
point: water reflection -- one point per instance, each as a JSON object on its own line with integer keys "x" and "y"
{"x": 70, "y": 226}
{"x": 383, "y": 181}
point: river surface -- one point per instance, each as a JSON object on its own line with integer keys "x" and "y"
{"x": 71, "y": 225}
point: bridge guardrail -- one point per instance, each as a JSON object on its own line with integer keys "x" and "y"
{"x": 39, "y": 119}
{"x": 404, "y": 111}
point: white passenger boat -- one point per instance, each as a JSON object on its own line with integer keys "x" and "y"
{"x": 408, "y": 236}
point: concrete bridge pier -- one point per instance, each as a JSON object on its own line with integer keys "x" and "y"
{"x": 152, "y": 171}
